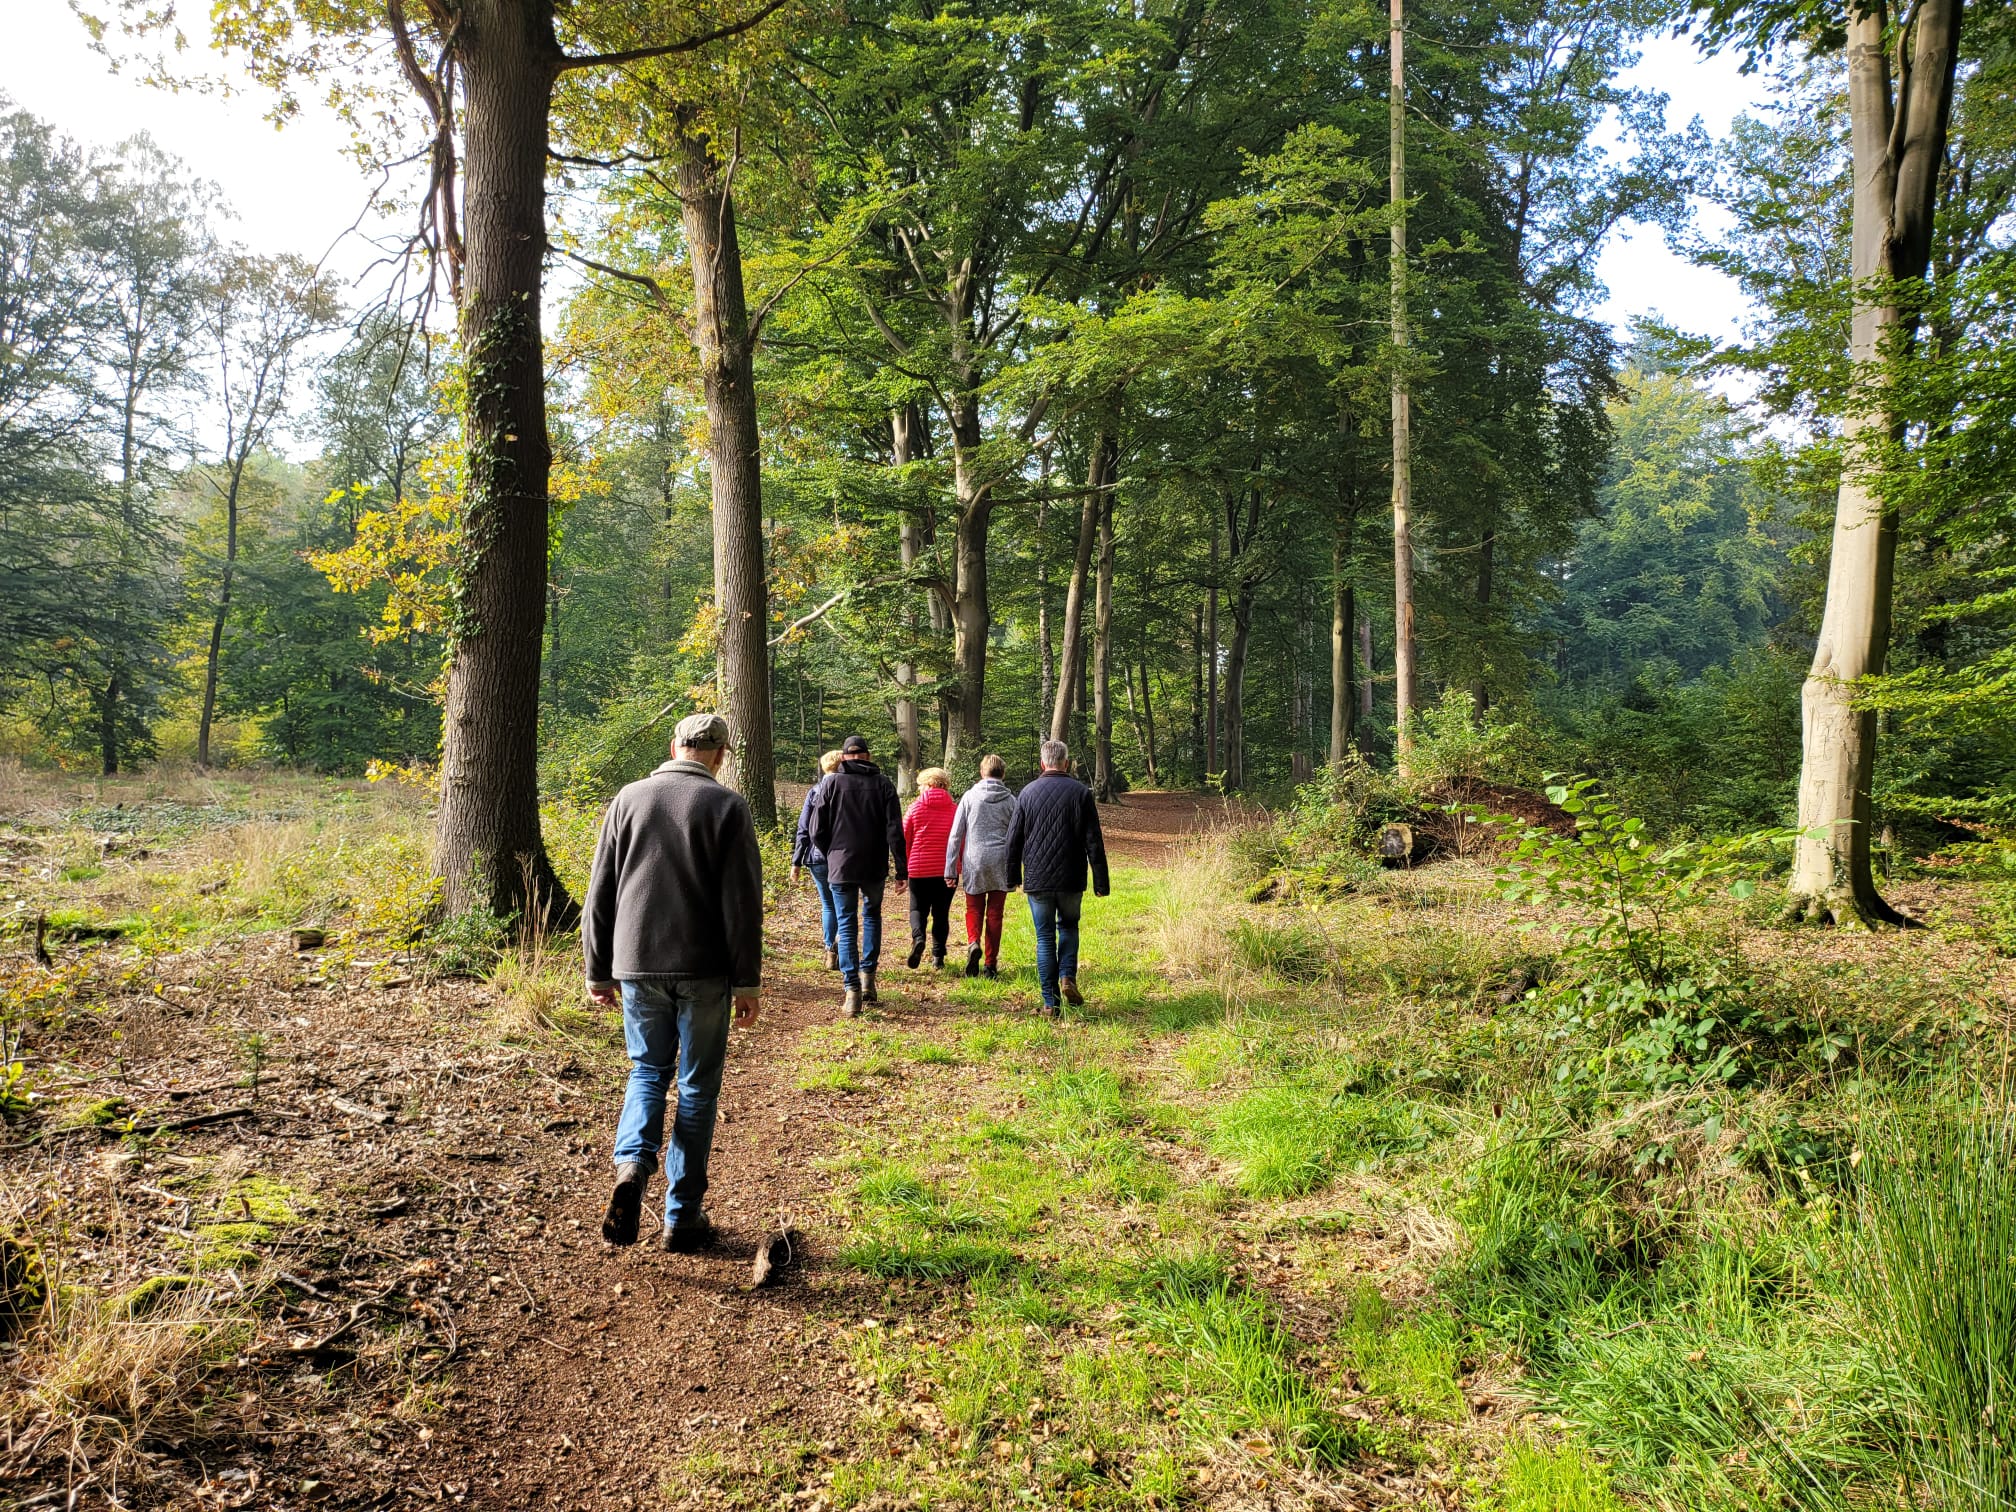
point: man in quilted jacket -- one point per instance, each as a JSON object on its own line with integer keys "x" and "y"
{"x": 1054, "y": 834}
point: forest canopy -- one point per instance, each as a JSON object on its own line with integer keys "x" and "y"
{"x": 964, "y": 376}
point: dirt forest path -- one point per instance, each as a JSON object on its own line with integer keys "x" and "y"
{"x": 618, "y": 1364}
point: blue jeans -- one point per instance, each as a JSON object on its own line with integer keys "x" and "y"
{"x": 829, "y": 918}
{"x": 673, "y": 1027}
{"x": 1055, "y": 915}
{"x": 859, "y": 936}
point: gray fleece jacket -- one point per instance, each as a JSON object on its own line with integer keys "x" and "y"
{"x": 677, "y": 888}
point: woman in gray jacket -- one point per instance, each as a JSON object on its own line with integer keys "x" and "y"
{"x": 976, "y": 858}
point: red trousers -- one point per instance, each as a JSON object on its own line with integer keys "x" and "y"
{"x": 985, "y": 908}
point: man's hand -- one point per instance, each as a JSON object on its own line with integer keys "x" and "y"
{"x": 747, "y": 1008}
{"x": 794, "y": 875}
{"x": 608, "y": 994}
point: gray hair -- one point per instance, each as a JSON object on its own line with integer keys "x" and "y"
{"x": 1055, "y": 753}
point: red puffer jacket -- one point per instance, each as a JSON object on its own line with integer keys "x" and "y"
{"x": 927, "y": 828}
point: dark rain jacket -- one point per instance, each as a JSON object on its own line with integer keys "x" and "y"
{"x": 857, "y": 824}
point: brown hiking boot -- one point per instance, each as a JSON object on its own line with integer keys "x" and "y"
{"x": 832, "y": 958}
{"x": 1069, "y": 987}
{"x": 850, "y": 1004}
{"x": 868, "y": 988}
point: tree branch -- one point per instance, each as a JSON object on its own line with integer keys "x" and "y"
{"x": 690, "y": 44}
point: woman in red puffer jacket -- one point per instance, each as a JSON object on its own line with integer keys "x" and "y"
{"x": 926, "y": 830}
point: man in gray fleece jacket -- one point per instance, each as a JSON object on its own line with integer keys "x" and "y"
{"x": 673, "y": 923}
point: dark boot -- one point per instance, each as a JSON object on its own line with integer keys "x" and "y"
{"x": 972, "y": 960}
{"x": 916, "y": 952}
{"x": 626, "y": 1203}
{"x": 868, "y": 994}
{"x": 688, "y": 1237}
{"x": 990, "y": 971}
{"x": 1069, "y": 987}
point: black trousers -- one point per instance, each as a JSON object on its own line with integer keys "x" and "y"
{"x": 931, "y": 896}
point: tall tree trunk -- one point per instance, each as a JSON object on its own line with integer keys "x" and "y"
{"x": 1487, "y": 551}
{"x": 108, "y": 726}
{"x": 965, "y": 700}
{"x": 1343, "y": 678}
{"x": 489, "y": 817}
{"x": 1211, "y": 766}
{"x": 1898, "y": 148}
{"x": 1046, "y": 653}
{"x": 1102, "y": 659}
{"x": 1071, "y": 661}
{"x": 1197, "y": 694}
{"x": 1239, "y": 537}
{"x": 1235, "y": 687}
{"x": 224, "y": 609}
{"x": 1365, "y": 657}
{"x": 909, "y": 747}
{"x": 1148, "y": 720}
{"x": 1343, "y": 609}
{"x": 1403, "y": 487}
{"x": 727, "y": 378}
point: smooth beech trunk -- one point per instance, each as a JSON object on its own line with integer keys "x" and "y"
{"x": 1898, "y": 146}
{"x": 1240, "y": 534}
{"x": 488, "y": 840}
{"x": 909, "y": 745}
{"x": 1211, "y": 767}
{"x": 727, "y": 378}
{"x": 1403, "y": 483}
{"x": 1102, "y": 658}
{"x": 1070, "y": 660}
{"x": 216, "y": 646}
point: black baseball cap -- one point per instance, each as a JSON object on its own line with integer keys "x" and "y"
{"x": 854, "y": 745}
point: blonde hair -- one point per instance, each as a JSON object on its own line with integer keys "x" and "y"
{"x": 830, "y": 761}
{"x": 993, "y": 766}
{"x": 934, "y": 777}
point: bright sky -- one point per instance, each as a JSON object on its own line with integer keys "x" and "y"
{"x": 294, "y": 190}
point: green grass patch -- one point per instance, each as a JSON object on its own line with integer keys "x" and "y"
{"x": 1292, "y": 1139}
{"x": 1408, "y": 1361}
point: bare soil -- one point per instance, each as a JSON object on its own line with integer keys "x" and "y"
{"x": 440, "y": 1321}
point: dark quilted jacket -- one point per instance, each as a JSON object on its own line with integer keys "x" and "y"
{"x": 857, "y": 824}
{"x": 1054, "y": 833}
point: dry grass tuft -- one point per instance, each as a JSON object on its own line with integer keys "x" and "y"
{"x": 1193, "y": 909}
{"x": 97, "y": 1379}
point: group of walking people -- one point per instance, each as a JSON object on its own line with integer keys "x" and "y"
{"x": 853, "y": 834}
{"x": 672, "y": 925}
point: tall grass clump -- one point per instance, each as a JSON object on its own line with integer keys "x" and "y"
{"x": 1191, "y": 904}
{"x": 1934, "y": 1279}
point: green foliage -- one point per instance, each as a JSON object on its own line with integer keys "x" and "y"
{"x": 1452, "y": 741}
{"x": 1934, "y": 1279}
{"x": 1634, "y": 984}
{"x": 1625, "y": 892}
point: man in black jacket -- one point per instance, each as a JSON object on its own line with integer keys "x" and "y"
{"x": 857, "y": 824}
{"x": 673, "y": 924}
{"x": 1054, "y": 833}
